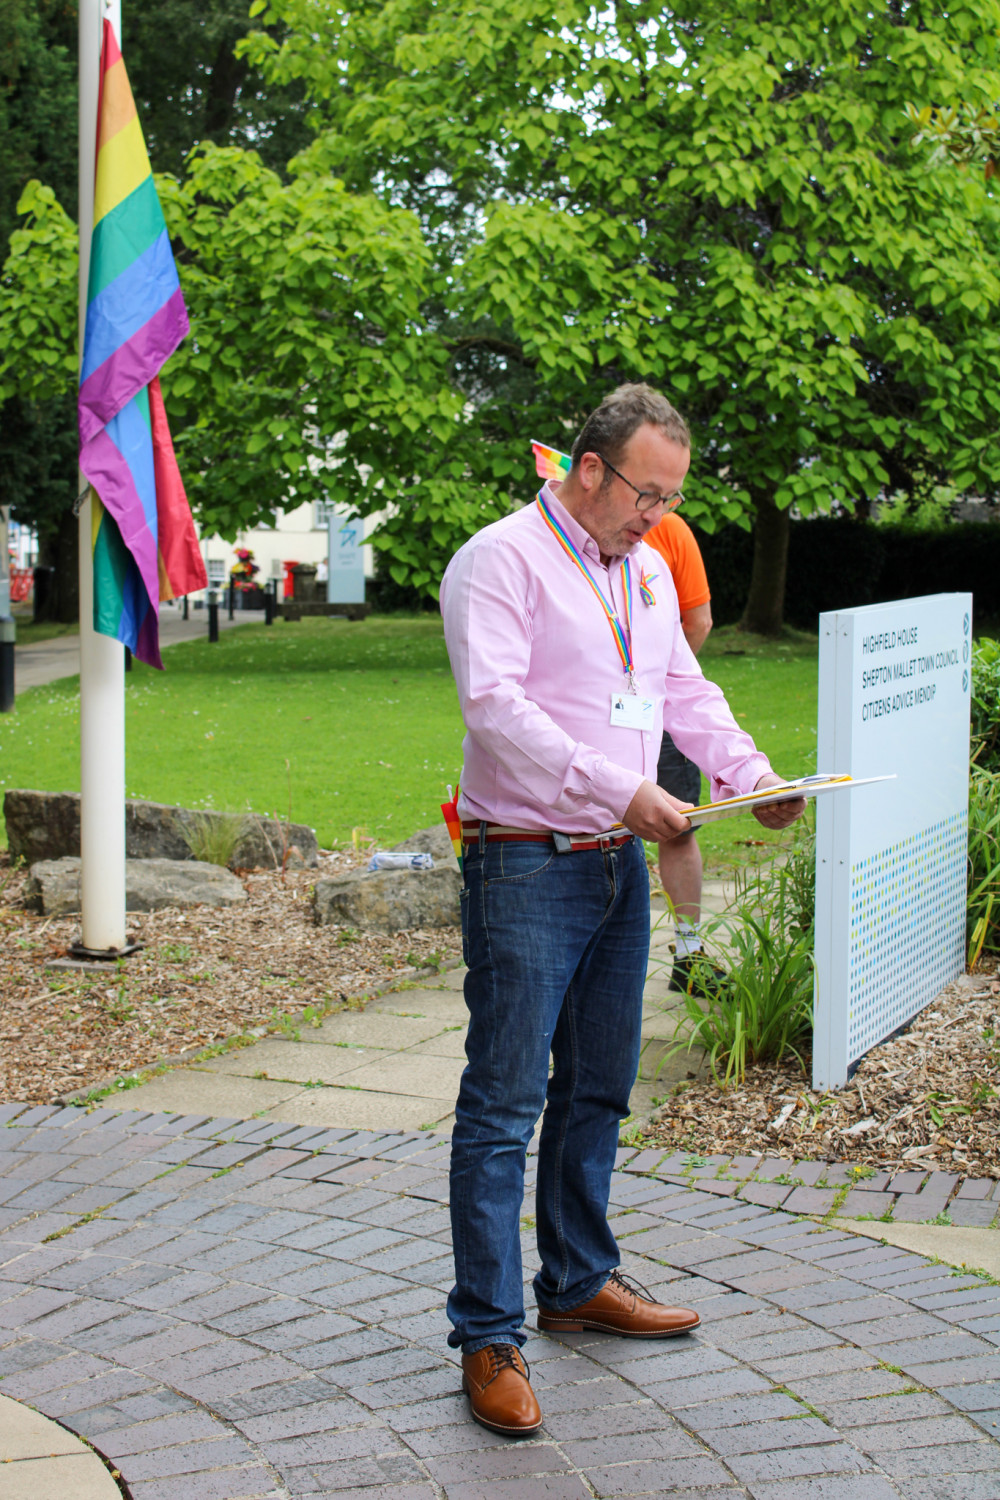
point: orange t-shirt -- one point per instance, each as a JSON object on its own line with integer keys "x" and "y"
{"x": 674, "y": 540}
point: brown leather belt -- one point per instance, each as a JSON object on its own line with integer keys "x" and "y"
{"x": 497, "y": 833}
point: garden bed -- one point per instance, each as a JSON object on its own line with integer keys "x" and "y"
{"x": 927, "y": 1098}
{"x": 203, "y": 976}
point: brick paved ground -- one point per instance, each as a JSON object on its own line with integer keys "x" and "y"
{"x": 236, "y": 1309}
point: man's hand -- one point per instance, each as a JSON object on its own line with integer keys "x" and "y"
{"x": 653, "y": 814}
{"x": 777, "y": 815}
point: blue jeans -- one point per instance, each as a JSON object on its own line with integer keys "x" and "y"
{"x": 556, "y": 947}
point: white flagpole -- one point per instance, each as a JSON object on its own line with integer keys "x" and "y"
{"x": 102, "y": 660}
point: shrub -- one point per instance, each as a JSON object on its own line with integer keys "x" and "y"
{"x": 759, "y": 1008}
{"x": 985, "y": 750}
{"x": 983, "y": 909}
{"x": 837, "y": 563}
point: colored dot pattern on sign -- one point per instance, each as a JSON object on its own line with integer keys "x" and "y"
{"x": 907, "y": 929}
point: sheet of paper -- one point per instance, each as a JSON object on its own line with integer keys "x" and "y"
{"x": 788, "y": 791}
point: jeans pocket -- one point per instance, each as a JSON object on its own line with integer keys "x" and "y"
{"x": 463, "y": 901}
{"x": 507, "y": 863}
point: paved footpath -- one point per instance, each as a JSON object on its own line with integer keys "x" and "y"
{"x": 234, "y": 1309}
{"x": 47, "y": 661}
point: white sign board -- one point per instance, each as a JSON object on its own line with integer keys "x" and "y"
{"x": 345, "y": 582}
{"x": 890, "y": 859}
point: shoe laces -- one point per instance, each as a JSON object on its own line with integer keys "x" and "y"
{"x": 506, "y": 1357}
{"x": 631, "y": 1286}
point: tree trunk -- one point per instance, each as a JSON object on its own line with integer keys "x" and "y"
{"x": 765, "y": 606}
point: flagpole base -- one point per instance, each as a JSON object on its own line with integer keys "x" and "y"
{"x": 104, "y": 955}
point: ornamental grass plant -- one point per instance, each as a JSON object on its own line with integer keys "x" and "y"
{"x": 983, "y": 909}
{"x": 759, "y": 1007}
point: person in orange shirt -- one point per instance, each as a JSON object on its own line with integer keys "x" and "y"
{"x": 680, "y": 859}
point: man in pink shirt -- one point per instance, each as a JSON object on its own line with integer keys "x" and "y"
{"x": 570, "y": 660}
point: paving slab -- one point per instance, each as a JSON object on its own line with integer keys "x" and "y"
{"x": 40, "y": 1460}
{"x": 193, "y": 1089}
{"x": 292, "y": 1062}
{"x": 978, "y": 1249}
{"x": 275, "y": 1327}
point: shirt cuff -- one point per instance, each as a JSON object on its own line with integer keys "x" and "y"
{"x": 614, "y": 787}
{"x": 743, "y": 780}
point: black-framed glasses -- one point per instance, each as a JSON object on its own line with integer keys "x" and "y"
{"x": 646, "y": 499}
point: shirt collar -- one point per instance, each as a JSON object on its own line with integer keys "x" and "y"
{"x": 581, "y": 539}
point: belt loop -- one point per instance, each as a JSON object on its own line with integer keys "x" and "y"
{"x": 482, "y": 837}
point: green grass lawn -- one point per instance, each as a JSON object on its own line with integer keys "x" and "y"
{"x": 348, "y": 726}
{"x": 771, "y": 688}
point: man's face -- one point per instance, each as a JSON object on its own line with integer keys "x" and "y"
{"x": 650, "y": 461}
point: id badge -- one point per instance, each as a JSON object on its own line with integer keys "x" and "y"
{"x": 630, "y": 711}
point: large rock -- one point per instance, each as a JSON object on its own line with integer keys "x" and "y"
{"x": 53, "y": 886}
{"x": 435, "y": 841}
{"x": 46, "y": 825}
{"x": 390, "y": 900}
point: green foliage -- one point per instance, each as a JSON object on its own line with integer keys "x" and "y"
{"x": 964, "y": 133}
{"x": 213, "y": 837}
{"x": 37, "y": 103}
{"x": 760, "y": 1010}
{"x": 930, "y": 512}
{"x": 189, "y": 86}
{"x": 38, "y": 301}
{"x": 311, "y": 370}
{"x": 983, "y": 909}
{"x": 986, "y": 703}
{"x": 38, "y": 368}
{"x": 724, "y": 202}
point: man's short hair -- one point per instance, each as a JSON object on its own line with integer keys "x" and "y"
{"x": 621, "y": 413}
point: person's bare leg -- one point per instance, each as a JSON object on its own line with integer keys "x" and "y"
{"x": 680, "y": 874}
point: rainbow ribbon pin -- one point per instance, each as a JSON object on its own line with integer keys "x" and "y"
{"x": 646, "y": 581}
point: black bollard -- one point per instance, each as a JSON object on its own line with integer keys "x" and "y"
{"x": 185, "y": 614}
{"x": 232, "y": 598}
{"x": 8, "y": 631}
{"x": 269, "y": 592}
{"x": 213, "y": 615}
{"x": 128, "y": 659}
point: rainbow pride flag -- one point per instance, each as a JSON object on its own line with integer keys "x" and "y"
{"x": 550, "y": 463}
{"x": 145, "y": 547}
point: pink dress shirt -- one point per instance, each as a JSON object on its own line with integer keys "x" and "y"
{"x": 536, "y": 666}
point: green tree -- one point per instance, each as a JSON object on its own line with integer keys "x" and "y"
{"x": 723, "y": 202}
{"x": 37, "y": 103}
{"x": 188, "y": 86}
{"x": 38, "y": 366}
{"x": 310, "y": 372}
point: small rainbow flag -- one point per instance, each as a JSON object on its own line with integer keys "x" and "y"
{"x": 145, "y": 547}
{"x": 453, "y": 823}
{"x": 550, "y": 463}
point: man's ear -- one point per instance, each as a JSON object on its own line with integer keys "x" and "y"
{"x": 591, "y": 471}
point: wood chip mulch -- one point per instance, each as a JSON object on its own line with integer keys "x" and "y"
{"x": 927, "y": 1098}
{"x": 204, "y": 975}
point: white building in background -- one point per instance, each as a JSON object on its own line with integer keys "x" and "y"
{"x": 298, "y": 536}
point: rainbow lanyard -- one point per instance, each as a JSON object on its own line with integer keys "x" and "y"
{"x": 622, "y": 637}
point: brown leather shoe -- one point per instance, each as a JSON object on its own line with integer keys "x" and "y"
{"x": 497, "y": 1382}
{"x": 624, "y": 1307}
